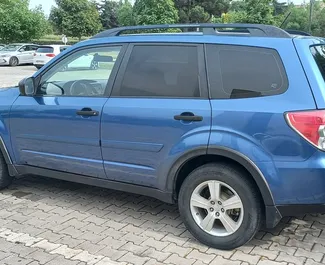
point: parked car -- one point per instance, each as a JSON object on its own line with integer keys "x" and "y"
{"x": 45, "y": 53}
{"x": 17, "y": 53}
{"x": 229, "y": 125}
{"x": 2, "y": 46}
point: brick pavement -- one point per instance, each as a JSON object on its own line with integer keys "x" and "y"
{"x": 51, "y": 222}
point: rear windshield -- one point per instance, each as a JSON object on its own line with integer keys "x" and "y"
{"x": 45, "y": 50}
{"x": 319, "y": 55}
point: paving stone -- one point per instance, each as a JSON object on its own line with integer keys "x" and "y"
{"x": 304, "y": 253}
{"x": 65, "y": 251}
{"x": 239, "y": 255}
{"x": 85, "y": 256}
{"x": 269, "y": 254}
{"x": 153, "y": 253}
{"x": 195, "y": 254}
{"x": 288, "y": 250}
{"x": 269, "y": 262}
{"x": 312, "y": 262}
{"x": 177, "y": 260}
{"x": 289, "y": 258}
{"x": 41, "y": 256}
{"x": 135, "y": 249}
{"x": 180, "y": 241}
{"x": 111, "y": 253}
{"x": 131, "y": 258}
{"x": 150, "y": 242}
{"x": 222, "y": 261}
{"x": 173, "y": 248}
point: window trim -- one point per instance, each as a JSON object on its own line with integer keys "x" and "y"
{"x": 213, "y": 95}
{"x": 203, "y": 84}
{"x": 111, "y": 79}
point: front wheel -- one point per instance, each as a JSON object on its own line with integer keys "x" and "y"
{"x": 13, "y": 61}
{"x": 220, "y": 206}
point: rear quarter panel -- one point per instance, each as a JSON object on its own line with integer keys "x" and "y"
{"x": 256, "y": 127}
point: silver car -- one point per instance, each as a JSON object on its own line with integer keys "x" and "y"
{"x": 17, "y": 53}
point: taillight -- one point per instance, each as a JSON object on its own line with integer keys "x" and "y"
{"x": 50, "y": 55}
{"x": 310, "y": 125}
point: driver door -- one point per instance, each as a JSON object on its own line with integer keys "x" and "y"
{"x": 59, "y": 127}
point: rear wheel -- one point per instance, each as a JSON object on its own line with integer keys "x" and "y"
{"x": 13, "y": 61}
{"x": 5, "y": 178}
{"x": 219, "y": 206}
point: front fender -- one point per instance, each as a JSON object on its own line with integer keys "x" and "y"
{"x": 7, "y": 98}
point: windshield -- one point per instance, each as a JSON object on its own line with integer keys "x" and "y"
{"x": 11, "y": 48}
{"x": 319, "y": 56}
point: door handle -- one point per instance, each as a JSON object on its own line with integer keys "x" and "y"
{"x": 87, "y": 112}
{"x": 188, "y": 116}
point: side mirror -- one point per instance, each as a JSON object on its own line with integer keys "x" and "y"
{"x": 27, "y": 87}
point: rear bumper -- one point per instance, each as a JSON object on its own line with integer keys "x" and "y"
{"x": 275, "y": 213}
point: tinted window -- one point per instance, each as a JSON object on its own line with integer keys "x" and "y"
{"x": 319, "y": 55}
{"x": 45, "y": 50}
{"x": 244, "y": 72}
{"x": 161, "y": 71}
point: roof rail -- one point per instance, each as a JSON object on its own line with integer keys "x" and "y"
{"x": 254, "y": 30}
{"x": 297, "y": 32}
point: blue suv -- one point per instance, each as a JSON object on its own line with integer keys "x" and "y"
{"x": 226, "y": 120}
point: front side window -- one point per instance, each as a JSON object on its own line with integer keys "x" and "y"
{"x": 319, "y": 56}
{"x": 161, "y": 71}
{"x": 245, "y": 72}
{"x": 83, "y": 73}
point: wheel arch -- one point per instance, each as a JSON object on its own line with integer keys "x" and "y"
{"x": 5, "y": 152}
{"x": 211, "y": 155}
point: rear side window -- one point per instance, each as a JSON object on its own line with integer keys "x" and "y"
{"x": 161, "y": 71}
{"x": 245, "y": 72}
{"x": 45, "y": 50}
{"x": 319, "y": 55}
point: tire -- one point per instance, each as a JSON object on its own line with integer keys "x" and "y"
{"x": 13, "y": 61}
{"x": 5, "y": 178}
{"x": 235, "y": 185}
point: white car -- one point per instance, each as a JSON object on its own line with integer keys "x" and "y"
{"x": 17, "y": 53}
{"x": 45, "y": 53}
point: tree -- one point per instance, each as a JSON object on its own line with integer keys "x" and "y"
{"x": 155, "y": 12}
{"x": 18, "y": 23}
{"x": 108, "y": 10}
{"x": 125, "y": 16}
{"x": 259, "y": 11}
{"x": 195, "y": 11}
{"x": 75, "y": 18}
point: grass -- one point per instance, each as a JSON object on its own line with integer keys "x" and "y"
{"x": 56, "y": 39}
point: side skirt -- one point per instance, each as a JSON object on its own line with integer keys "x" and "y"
{"x": 103, "y": 183}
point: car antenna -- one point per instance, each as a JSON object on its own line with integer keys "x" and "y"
{"x": 285, "y": 20}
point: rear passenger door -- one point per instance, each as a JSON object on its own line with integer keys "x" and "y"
{"x": 158, "y": 110}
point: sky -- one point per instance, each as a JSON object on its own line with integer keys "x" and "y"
{"x": 47, "y": 4}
